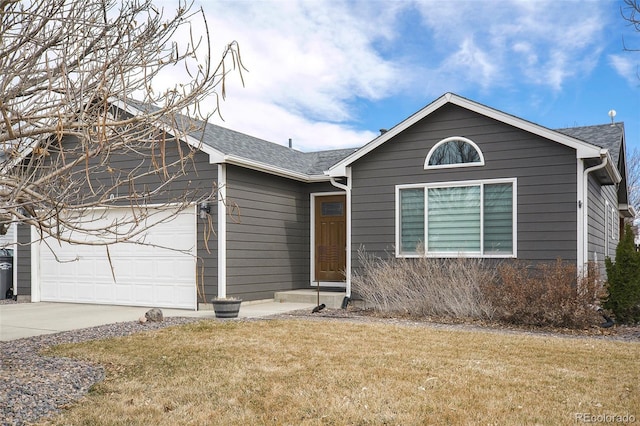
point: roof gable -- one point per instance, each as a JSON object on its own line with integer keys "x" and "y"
{"x": 583, "y": 149}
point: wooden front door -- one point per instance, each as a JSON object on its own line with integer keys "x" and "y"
{"x": 330, "y": 237}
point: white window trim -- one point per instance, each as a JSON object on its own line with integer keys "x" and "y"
{"x": 606, "y": 228}
{"x": 449, "y": 166}
{"x": 514, "y": 222}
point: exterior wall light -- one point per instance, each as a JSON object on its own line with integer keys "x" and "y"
{"x": 204, "y": 209}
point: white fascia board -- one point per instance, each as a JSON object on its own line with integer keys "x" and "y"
{"x": 611, "y": 169}
{"x": 340, "y": 169}
{"x": 215, "y": 156}
{"x": 583, "y": 149}
{"x": 22, "y": 155}
{"x": 274, "y": 170}
{"x": 124, "y": 106}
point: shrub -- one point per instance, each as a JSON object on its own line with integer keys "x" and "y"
{"x": 423, "y": 286}
{"x": 548, "y": 294}
{"x": 623, "y": 280}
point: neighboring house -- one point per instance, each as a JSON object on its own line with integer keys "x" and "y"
{"x": 457, "y": 178}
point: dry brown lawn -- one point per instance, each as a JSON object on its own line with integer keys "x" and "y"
{"x": 292, "y": 372}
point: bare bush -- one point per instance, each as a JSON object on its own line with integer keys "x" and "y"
{"x": 548, "y": 294}
{"x": 545, "y": 295}
{"x": 423, "y": 286}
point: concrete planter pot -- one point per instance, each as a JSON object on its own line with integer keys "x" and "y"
{"x": 226, "y": 308}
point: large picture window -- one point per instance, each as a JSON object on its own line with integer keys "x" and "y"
{"x": 474, "y": 218}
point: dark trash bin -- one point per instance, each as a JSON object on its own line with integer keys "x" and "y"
{"x": 6, "y": 273}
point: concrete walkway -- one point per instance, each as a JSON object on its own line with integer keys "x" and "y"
{"x": 33, "y": 319}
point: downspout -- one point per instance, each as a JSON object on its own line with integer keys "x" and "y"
{"x": 585, "y": 210}
{"x": 222, "y": 231}
{"x": 347, "y": 189}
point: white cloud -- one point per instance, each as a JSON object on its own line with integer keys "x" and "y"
{"x": 313, "y": 58}
{"x": 307, "y": 62}
{"x": 311, "y": 62}
{"x": 479, "y": 67}
{"x": 626, "y": 67}
{"x": 540, "y": 43}
{"x": 277, "y": 124}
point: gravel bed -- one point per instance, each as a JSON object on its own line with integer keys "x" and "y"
{"x": 33, "y": 386}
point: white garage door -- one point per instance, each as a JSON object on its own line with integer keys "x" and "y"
{"x": 145, "y": 275}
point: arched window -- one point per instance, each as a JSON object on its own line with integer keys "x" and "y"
{"x": 455, "y": 151}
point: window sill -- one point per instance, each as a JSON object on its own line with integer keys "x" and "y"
{"x": 457, "y": 255}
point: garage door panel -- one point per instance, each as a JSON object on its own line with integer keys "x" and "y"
{"x": 49, "y": 293}
{"x": 104, "y": 293}
{"x": 143, "y": 292}
{"x": 164, "y": 294}
{"x": 101, "y": 271}
{"x": 86, "y": 292}
{"x": 67, "y": 291}
{"x": 144, "y": 275}
{"x": 124, "y": 294}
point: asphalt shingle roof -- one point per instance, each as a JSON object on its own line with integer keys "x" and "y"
{"x": 604, "y": 135}
{"x": 235, "y": 143}
{"x": 230, "y": 142}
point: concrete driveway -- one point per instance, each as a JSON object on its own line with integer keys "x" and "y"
{"x": 19, "y": 320}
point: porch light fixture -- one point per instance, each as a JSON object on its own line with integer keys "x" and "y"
{"x": 24, "y": 213}
{"x": 204, "y": 209}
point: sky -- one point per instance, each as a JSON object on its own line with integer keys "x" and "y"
{"x": 331, "y": 74}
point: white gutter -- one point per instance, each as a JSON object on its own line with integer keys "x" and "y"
{"x": 347, "y": 189}
{"x": 627, "y": 210}
{"x": 585, "y": 210}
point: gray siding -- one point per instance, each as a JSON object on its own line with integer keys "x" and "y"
{"x": 24, "y": 261}
{"x": 268, "y": 247}
{"x": 546, "y": 186}
{"x": 602, "y": 239}
{"x": 197, "y": 181}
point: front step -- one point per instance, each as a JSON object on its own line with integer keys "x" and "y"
{"x": 332, "y": 299}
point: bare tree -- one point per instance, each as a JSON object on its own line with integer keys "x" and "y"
{"x": 631, "y": 13}
{"x": 69, "y": 71}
